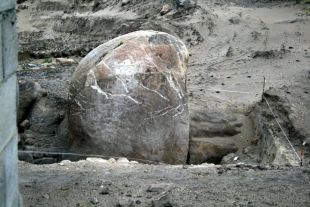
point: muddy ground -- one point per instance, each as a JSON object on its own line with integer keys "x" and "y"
{"x": 233, "y": 45}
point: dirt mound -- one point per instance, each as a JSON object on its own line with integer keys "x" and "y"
{"x": 76, "y": 27}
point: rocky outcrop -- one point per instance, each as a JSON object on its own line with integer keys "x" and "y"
{"x": 206, "y": 123}
{"x": 128, "y": 98}
{"x": 43, "y": 107}
{"x": 280, "y": 107}
{"x": 210, "y": 150}
{"x": 211, "y": 136}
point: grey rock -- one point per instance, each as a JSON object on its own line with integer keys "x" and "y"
{"x": 245, "y": 150}
{"x": 184, "y": 3}
{"x": 25, "y": 124}
{"x": 94, "y": 200}
{"x": 234, "y": 20}
{"x": 65, "y": 61}
{"x": 206, "y": 123}
{"x": 165, "y": 9}
{"x": 29, "y": 92}
{"x": 124, "y": 2}
{"x": 128, "y": 98}
{"x": 229, "y": 159}
{"x": 104, "y": 190}
{"x": 163, "y": 201}
{"x": 210, "y": 150}
{"x": 25, "y": 156}
{"x": 159, "y": 188}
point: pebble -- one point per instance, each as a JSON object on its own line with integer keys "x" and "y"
{"x": 95, "y": 159}
{"x": 162, "y": 201}
{"x": 124, "y": 2}
{"x": 65, "y": 61}
{"x": 64, "y": 162}
{"x": 25, "y": 124}
{"x": 46, "y": 196}
{"x": 123, "y": 160}
{"x": 94, "y": 200}
{"x": 112, "y": 160}
{"x": 25, "y": 156}
{"x": 166, "y": 8}
{"x": 245, "y": 150}
{"x": 104, "y": 190}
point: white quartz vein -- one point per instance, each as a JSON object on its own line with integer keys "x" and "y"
{"x": 117, "y": 77}
{"x": 156, "y": 92}
{"x": 170, "y": 109}
{"x": 172, "y": 85}
{"x": 94, "y": 85}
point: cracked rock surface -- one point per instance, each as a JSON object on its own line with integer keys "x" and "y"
{"x": 128, "y": 98}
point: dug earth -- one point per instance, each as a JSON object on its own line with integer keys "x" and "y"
{"x": 128, "y": 98}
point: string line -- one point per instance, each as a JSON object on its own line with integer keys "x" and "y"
{"x": 288, "y": 140}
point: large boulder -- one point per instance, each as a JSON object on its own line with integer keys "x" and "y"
{"x": 128, "y": 98}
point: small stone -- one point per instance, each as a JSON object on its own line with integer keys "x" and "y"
{"x": 95, "y": 159}
{"x": 229, "y": 52}
{"x": 65, "y": 61}
{"x": 166, "y": 8}
{"x": 162, "y": 201}
{"x": 28, "y": 185}
{"x": 104, "y": 190}
{"x": 25, "y": 124}
{"x": 112, "y": 160}
{"x": 46, "y": 196}
{"x": 245, "y": 150}
{"x": 158, "y": 188}
{"x": 94, "y": 200}
{"x": 234, "y": 20}
{"x": 138, "y": 202}
{"x": 123, "y": 160}
{"x": 228, "y": 159}
{"x": 124, "y": 2}
{"x": 264, "y": 167}
{"x": 25, "y": 156}
{"x": 64, "y": 162}
{"x": 32, "y": 65}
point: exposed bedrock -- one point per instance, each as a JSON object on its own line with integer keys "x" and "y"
{"x": 211, "y": 136}
{"x": 128, "y": 98}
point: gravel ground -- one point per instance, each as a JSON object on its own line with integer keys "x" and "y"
{"x": 98, "y": 182}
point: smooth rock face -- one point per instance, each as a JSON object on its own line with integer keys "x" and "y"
{"x": 128, "y": 98}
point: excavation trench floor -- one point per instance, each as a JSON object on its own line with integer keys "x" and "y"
{"x": 98, "y": 182}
